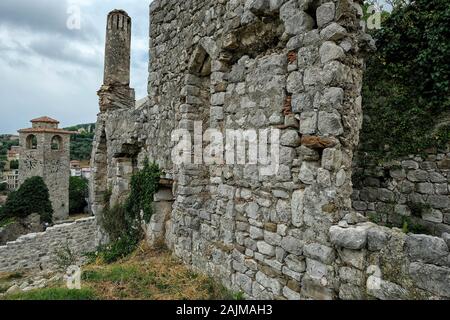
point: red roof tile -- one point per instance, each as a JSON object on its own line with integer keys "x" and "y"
{"x": 45, "y": 119}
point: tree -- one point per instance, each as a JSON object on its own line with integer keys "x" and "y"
{"x": 32, "y": 197}
{"x": 78, "y": 191}
{"x": 14, "y": 164}
{"x": 3, "y": 187}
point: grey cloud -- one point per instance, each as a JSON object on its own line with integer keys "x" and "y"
{"x": 61, "y": 49}
{"x": 48, "y": 69}
{"x": 44, "y": 16}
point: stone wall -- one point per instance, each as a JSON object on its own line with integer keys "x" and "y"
{"x": 295, "y": 66}
{"x": 382, "y": 263}
{"x": 415, "y": 189}
{"x": 38, "y": 251}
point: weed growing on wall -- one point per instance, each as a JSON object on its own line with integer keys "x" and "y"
{"x": 123, "y": 221}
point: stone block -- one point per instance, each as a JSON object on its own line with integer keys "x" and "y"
{"x": 351, "y": 238}
{"x": 325, "y": 13}
{"x": 330, "y": 51}
{"x": 431, "y": 278}
{"x": 319, "y": 252}
{"x": 385, "y": 290}
{"x": 427, "y": 249}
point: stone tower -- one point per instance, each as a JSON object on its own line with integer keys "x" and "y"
{"x": 115, "y": 91}
{"x": 45, "y": 152}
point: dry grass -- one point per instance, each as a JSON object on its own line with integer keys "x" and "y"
{"x": 150, "y": 274}
{"x": 7, "y": 279}
{"x": 147, "y": 274}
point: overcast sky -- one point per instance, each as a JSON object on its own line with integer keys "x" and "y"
{"x": 49, "y": 69}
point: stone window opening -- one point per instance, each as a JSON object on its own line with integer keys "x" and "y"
{"x": 31, "y": 142}
{"x": 56, "y": 143}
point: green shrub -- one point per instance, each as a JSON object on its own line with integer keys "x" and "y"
{"x": 65, "y": 258}
{"x": 122, "y": 222}
{"x": 32, "y": 197}
{"x": 406, "y": 85}
{"x": 3, "y": 187}
{"x": 144, "y": 185}
{"x": 6, "y": 221}
{"x": 115, "y": 250}
{"x": 78, "y": 192}
{"x": 409, "y": 226}
{"x": 14, "y": 164}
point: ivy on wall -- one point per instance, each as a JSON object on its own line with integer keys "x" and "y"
{"x": 123, "y": 221}
{"x": 406, "y": 86}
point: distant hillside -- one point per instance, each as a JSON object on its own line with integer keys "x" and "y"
{"x": 81, "y": 143}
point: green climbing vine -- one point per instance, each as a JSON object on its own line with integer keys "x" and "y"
{"x": 406, "y": 90}
{"x": 144, "y": 185}
{"x": 123, "y": 221}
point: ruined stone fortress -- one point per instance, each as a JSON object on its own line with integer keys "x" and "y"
{"x": 234, "y": 64}
{"x": 292, "y": 65}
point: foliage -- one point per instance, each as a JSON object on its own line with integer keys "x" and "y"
{"x": 32, "y": 197}
{"x": 4, "y": 222}
{"x": 410, "y": 227}
{"x": 123, "y": 222}
{"x": 144, "y": 185}
{"x": 3, "y": 187}
{"x": 406, "y": 87}
{"x": 54, "y": 294}
{"x": 116, "y": 250}
{"x": 81, "y": 143}
{"x": 65, "y": 258}
{"x": 14, "y": 164}
{"x": 78, "y": 192}
{"x": 418, "y": 209}
{"x": 5, "y": 145}
{"x": 239, "y": 295}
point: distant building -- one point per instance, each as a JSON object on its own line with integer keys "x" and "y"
{"x": 45, "y": 152}
{"x": 78, "y": 170}
{"x": 75, "y": 168}
{"x": 12, "y": 179}
{"x": 14, "y": 153}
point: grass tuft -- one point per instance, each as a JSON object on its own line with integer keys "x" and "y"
{"x": 54, "y": 294}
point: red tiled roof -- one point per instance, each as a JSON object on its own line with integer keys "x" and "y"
{"x": 45, "y": 119}
{"x": 46, "y": 130}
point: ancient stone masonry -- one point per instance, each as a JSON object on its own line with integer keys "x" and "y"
{"x": 45, "y": 152}
{"x": 38, "y": 251}
{"x": 415, "y": 188}
{"x": 292, "y": 65}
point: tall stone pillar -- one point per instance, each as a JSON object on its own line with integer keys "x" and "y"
{"x": 115, "y": 92}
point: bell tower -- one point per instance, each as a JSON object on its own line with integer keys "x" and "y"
{"x": 45, "y": 152}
